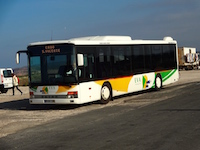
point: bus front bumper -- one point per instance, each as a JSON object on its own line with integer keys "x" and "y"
{"x": 54, "y": 101}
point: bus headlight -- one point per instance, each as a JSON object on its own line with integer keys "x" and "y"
{"x": 72, "y": 94}
{"x": 32, "y": 95}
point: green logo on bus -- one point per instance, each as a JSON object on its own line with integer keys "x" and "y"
{"x": 44, "y": 90}
{"x": 146, "y": 82}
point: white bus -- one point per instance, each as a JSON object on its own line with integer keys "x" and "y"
{"x": 87, "y": 69}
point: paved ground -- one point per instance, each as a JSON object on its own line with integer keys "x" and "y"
{"x": 171, "y": 121}
{"x": 17, "y": 114}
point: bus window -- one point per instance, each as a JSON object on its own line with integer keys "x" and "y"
{"x": 138, "y": 59}
{"x": 147, "y": 56}
{"x": 54, "y": 62}
{"x": 118, "y": 55}
{"x": 87, "y": 71}
{"x": 127, "y": 60}
{"x": 35, "y": 65}
{"x": 173, "y": 60}
{"x": 166, "y": 57}
{"x": 157, "y": 57}
{"x": 121, "y": 60}
{"x": 103, "y": 62}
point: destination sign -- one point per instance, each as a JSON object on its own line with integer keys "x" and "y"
{"x": 50, "y": 49}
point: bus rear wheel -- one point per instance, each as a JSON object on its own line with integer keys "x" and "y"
{"x": 158, "y": 82}
{"x": 106, "y": 93}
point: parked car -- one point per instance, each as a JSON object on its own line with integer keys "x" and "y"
{"x": 5, "y": 79}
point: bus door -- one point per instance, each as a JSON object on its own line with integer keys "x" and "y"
{"x": 88, "y": 74}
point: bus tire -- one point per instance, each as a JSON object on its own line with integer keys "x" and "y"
{"x": 106, "y": 93}
{"x": 158, "y": 82}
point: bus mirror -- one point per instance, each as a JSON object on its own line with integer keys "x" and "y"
{"x": 17, "y": 58}
{"x": 18, "y": 55}
{"x": 80, "y": 60}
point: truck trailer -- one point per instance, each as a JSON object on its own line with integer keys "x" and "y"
{"x": 188, "y": 58}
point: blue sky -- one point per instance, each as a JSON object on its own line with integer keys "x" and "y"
{"x": 26, "y": 21}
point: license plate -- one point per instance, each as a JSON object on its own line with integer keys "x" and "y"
{"x": 49, "y": 101}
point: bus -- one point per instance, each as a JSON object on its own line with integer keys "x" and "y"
{"x": 98, "y": 68}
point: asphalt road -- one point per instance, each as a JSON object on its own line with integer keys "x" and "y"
{"x": 170, "y": 124}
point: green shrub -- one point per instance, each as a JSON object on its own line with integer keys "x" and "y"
{"x": 23, "y": 81}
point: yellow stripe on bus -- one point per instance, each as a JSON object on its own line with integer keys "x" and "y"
{"x": 118, "y": 84}
{"x": 64, "y": 88}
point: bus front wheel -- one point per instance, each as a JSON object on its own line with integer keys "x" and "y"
{"x": 106, "y": 93}
{"x": 158, "y": 82}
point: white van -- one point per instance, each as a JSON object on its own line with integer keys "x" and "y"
{"x": 5, "y": 79}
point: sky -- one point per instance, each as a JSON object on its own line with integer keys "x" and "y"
{"x": 26, "y": 21}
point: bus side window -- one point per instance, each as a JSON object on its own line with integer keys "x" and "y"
{"x": 157, "y": 57}
{"x": 148, "y": 60}
{"x": 138, "y": 59}
{"x": 166, "y": 57}
{"x": 173, "y": 61}
{"x": 121, "y": 60}
{"x": 127, "y": 64}
{"x": 90, "y": 68}
{"x": 103, "y": 62}
{"x": 87, "y": 71}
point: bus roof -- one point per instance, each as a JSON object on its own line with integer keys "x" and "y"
{"x": 106, "y": 40}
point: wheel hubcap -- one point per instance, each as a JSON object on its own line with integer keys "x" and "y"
{"x": 158, "y": 82}
{"x": 105, "y": 92}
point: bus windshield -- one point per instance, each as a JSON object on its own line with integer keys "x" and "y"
{"x": 55, "y": 66}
